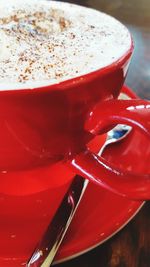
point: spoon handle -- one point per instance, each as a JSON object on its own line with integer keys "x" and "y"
{"x": 52, "y": 238}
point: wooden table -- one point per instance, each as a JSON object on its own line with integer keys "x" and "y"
{"x": 131, "y": 246}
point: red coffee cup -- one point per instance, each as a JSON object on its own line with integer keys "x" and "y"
{"x": 45, "y": 126}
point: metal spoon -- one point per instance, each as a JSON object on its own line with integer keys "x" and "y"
{"x": 52, "y": 239}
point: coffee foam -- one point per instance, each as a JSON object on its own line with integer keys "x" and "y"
{"x": 46, "y": 42}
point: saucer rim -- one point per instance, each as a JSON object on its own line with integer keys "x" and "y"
{"x": 73, "y": 256}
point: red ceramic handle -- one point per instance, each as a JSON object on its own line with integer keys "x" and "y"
{"x": 132, "y": 112}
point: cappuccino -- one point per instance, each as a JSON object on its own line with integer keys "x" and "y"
{"x": 45, "y": 42}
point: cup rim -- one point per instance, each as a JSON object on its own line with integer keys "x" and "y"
{"x": 87, "y": 77}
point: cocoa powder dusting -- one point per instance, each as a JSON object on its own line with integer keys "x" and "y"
{"x": 46, "y": 42}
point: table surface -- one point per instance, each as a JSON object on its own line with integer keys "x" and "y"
{"x": 131, "y": 246}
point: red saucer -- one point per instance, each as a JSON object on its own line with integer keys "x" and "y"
{"x": 95, "y": 223}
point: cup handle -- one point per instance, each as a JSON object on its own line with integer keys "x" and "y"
{"x": 98, "y": 170}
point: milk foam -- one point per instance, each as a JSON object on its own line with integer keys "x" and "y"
{"x": 46, "y": 42}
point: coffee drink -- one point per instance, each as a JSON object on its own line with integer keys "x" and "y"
{"x": 45, "y": 42}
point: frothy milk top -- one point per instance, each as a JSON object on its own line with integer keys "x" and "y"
{"x": 45, "y": 42}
